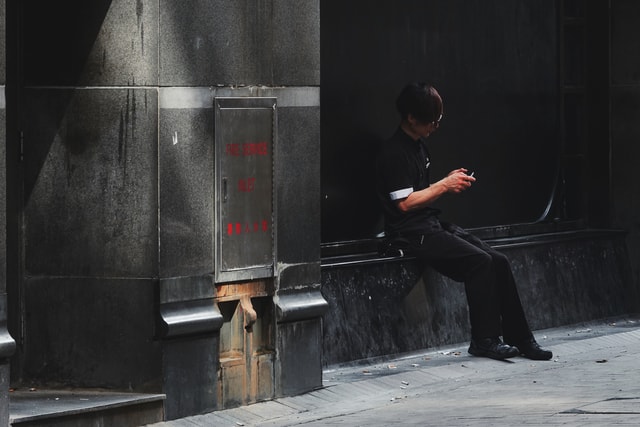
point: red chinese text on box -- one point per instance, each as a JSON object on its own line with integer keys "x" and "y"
{"x": 246, "y": 228}
{"x": 246, "y": 149}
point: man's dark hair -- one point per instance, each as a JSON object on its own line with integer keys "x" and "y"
{"x": 421, "y": 100}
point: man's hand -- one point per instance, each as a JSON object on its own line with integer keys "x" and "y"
{"x": 457, "y": 181}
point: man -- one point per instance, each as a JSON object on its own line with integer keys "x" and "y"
{"x": 406, "y": 194}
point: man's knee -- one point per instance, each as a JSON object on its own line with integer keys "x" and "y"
{"x": 478, "y": 263}
{"x": 500, "y": 260}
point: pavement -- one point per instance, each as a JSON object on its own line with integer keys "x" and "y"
{"x": 592, "y": 380}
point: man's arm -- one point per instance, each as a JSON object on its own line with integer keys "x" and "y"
{"x": 456, "y": 182}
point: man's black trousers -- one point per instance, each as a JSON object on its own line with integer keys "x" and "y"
{"x": 494, "y": 304}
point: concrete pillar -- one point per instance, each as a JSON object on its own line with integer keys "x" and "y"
{"x": 7, "y": 344}
{"x": 242, "y": 49}
{"x": 119, "y": 207}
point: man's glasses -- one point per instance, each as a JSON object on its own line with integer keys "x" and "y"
{"x": 437, "y": 122}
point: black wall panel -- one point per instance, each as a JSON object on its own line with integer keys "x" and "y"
{"x": 495, "y": 63}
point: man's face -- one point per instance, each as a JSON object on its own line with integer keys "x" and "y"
{"x": 422, "y": 129}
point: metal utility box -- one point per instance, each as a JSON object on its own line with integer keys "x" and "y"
{"x": 245, "y": 130}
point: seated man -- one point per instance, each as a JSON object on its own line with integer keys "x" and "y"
{"x": 406, "y": 194}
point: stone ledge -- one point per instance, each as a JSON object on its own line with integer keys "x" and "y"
{"x": 365, "y": 251}
{"x": 386, "y": 306}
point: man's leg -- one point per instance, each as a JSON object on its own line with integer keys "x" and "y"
{"x": 516, "y": 331}
{"x": 465, "y": 262}
{"x": 515, "y": 327}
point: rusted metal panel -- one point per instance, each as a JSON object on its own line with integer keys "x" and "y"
{"x": 247, "y": 350}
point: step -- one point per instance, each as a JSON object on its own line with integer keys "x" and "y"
{"x": 86, "y": 408}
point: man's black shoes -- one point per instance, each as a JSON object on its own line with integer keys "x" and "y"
{"x": 531, "y": 350}
{"x": 493, "y": 348}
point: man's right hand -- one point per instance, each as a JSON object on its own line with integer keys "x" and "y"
{"x": 457, "y": 181}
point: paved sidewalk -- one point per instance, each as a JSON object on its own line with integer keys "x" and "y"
{"x": 593, "y": 380}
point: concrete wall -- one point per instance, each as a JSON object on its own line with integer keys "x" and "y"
{"x": 89, "y": 119}
{"x": 118, "y": 202}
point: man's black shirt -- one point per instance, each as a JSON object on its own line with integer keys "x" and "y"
{"x": 402, "y": 167}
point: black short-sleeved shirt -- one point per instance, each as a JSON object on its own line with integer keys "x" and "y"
{"x": 402, "y": 167}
